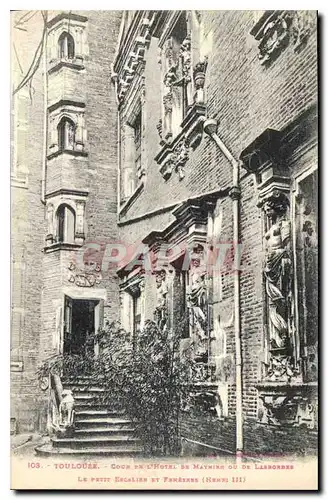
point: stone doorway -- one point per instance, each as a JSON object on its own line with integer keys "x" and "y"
{"x": 81, "y": 322}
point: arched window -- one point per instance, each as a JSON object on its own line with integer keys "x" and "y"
{"x": 65, "y": 224}
{"x": 66, "y": 134}
{"x": 66, "y": 46}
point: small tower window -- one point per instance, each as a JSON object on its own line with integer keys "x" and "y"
{"x": 66, "y": 134}
{"x": 65, "y": 224}
{"x": 66, "y": 46}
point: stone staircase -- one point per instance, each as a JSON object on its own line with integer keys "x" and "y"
{"x": 98, "y": 430}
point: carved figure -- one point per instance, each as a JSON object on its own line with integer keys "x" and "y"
{"x": 197, "y": 302}
{"x": 66, "y": 409}
{"x": 161, "y": 306}
{"x": 278, "y": 272}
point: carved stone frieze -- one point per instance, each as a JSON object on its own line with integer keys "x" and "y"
{"x": 277, "y": 29}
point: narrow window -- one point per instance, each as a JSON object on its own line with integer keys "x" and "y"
{"x": 132, "y": 166}
{"x": 66, "y": 46}
{"x": 65, "y": 224}
{"x": 137, "y": 144}
{"x": 136, "y": 313}
{"x": 66, "y": 134}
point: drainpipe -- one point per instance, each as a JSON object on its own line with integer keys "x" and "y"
{"x": 114, "y": 79}
{"x": 45, "y": 120}
{"x": 210, "y": 128}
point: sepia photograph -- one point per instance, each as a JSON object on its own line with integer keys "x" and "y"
{"x": 164, "y": 249}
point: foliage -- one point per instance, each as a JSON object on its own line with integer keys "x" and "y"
{"x": 148, "y": 377}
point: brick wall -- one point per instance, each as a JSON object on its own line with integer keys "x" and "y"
{"x": 46, "y": 274}
{"x": 27, "y": 214}
{"x": 246, "y": 98}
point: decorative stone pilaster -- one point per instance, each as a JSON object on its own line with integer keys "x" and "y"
{"x": 79, "y": 132}
{"x": 50, "y": 219}
{"x": 79, "y": 230}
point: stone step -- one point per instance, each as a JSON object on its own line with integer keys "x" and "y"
{"x": 94, "y": 441}
{"x": 84, "y": 388}
{"x": 103, "y": 431}
{"x": 108, "y": 423}
{"x": 125, "y": 450}
{"x": 85, "y": 394}
{"x": 91, "y": 413}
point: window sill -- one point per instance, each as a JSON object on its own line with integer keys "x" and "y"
{"x": 76, "y": 64}
{"x": 54, "y": 247}
{"x": 127, "y": 204}
{"x": 174, "y": 155}
{"x": 71, "y": 152}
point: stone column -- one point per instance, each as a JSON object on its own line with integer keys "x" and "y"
{"x": 79, "y": 224}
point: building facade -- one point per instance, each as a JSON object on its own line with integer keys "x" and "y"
{"x": 187, "y": 141}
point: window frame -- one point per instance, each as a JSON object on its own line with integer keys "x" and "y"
{"x": 63, "y": 233}
{"x": 66, "y": 46}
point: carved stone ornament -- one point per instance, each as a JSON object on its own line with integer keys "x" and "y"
{"x": 185, "y": 55}
{"x": 303, "y": 24}
{"x": 86, "y": 277}
{"x": 199, "y": 74}
{"x": 277, "y": 29}
{"x": 285, "y": 409}
{"x": 174, "y": 155}
{"x": 176, "y": 160}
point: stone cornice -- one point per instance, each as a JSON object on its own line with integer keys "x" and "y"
{"x": 66, "y": 15}
{"x": 274, "y": 147}
{"x": 164, "y": 24}
{"x": 66, "y": 64}
{"x": 135, "y": 44}
{"x": 68, "y": 192}
{"x": 65, "y": 102}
